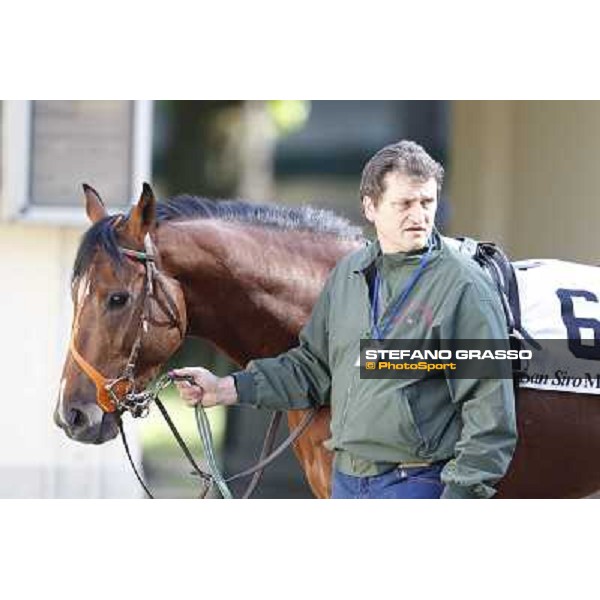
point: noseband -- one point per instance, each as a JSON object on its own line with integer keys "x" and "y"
{"x": 119, "y": 393}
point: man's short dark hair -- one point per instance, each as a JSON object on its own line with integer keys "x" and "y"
{"x": 405, "y": 157}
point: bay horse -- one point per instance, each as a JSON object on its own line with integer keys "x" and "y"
{"x": 245, "y": 277}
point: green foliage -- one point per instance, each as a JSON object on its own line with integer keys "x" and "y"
{"x": 289, "y": 115}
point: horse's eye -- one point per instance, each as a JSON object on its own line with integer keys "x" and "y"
{"x": 118, "y": 299}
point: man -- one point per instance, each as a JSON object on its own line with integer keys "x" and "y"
{"x": 423, "y": 438}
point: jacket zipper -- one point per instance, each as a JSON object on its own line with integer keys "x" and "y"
{"x": 346, "y": 406}
{"x": 355, "y": 371}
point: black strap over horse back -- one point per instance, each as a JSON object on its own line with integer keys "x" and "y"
{"x": 491, "y": 258}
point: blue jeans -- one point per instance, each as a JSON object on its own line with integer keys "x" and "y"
{"x": 401, "y": 482}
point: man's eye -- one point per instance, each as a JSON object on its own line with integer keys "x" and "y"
{"x": 118, "y": 299}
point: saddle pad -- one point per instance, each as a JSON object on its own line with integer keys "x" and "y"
{"x": 561, "y": 301}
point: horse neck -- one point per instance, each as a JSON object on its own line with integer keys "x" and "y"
{"x": 248, "y": 289}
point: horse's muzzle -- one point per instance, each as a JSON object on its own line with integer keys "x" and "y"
{"x": 87, "y": 424}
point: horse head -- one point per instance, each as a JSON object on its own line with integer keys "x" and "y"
{"x": 129, "y": 318}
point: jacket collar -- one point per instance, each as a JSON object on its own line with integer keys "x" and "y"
{"x": 372, "y": 250}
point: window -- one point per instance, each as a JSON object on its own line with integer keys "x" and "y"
{"x": 51, "y": 147}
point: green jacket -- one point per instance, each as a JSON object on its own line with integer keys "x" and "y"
{"x": 377, "y": 424}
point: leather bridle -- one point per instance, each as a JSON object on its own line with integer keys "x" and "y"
{"x": 119, "y": 394}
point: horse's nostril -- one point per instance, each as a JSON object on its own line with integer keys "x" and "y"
{"x": 77, "y": 418}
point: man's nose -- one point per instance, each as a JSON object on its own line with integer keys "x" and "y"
{"x": 416, "y": 212}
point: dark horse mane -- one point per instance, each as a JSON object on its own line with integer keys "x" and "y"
{"x": 302, "y": 218}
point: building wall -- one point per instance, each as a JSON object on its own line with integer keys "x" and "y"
{"x": 36, "y": 459}
{"x": 525, "y": 174}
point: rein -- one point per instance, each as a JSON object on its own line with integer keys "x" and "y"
{"x": 119, "y": 395}
{"x": 267, "y": 455}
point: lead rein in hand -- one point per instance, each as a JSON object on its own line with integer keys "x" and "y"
{"x": 267, "y": 456}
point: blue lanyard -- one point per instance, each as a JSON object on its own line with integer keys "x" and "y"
{"x": 376, "y": 332}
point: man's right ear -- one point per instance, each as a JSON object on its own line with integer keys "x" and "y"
{"x": 369, "y": 208}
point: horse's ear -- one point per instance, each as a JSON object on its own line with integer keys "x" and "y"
{"x": 143, "y": 215}
{"x": 93, "y": 204}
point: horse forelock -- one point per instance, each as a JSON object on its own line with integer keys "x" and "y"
{"x": 100, "y": 236}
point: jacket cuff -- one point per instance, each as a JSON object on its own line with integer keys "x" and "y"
{"x": 245, "y": 388}
{"x": 462, "y": 492}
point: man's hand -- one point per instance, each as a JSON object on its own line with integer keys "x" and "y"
{"x": 207, "y": 389}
